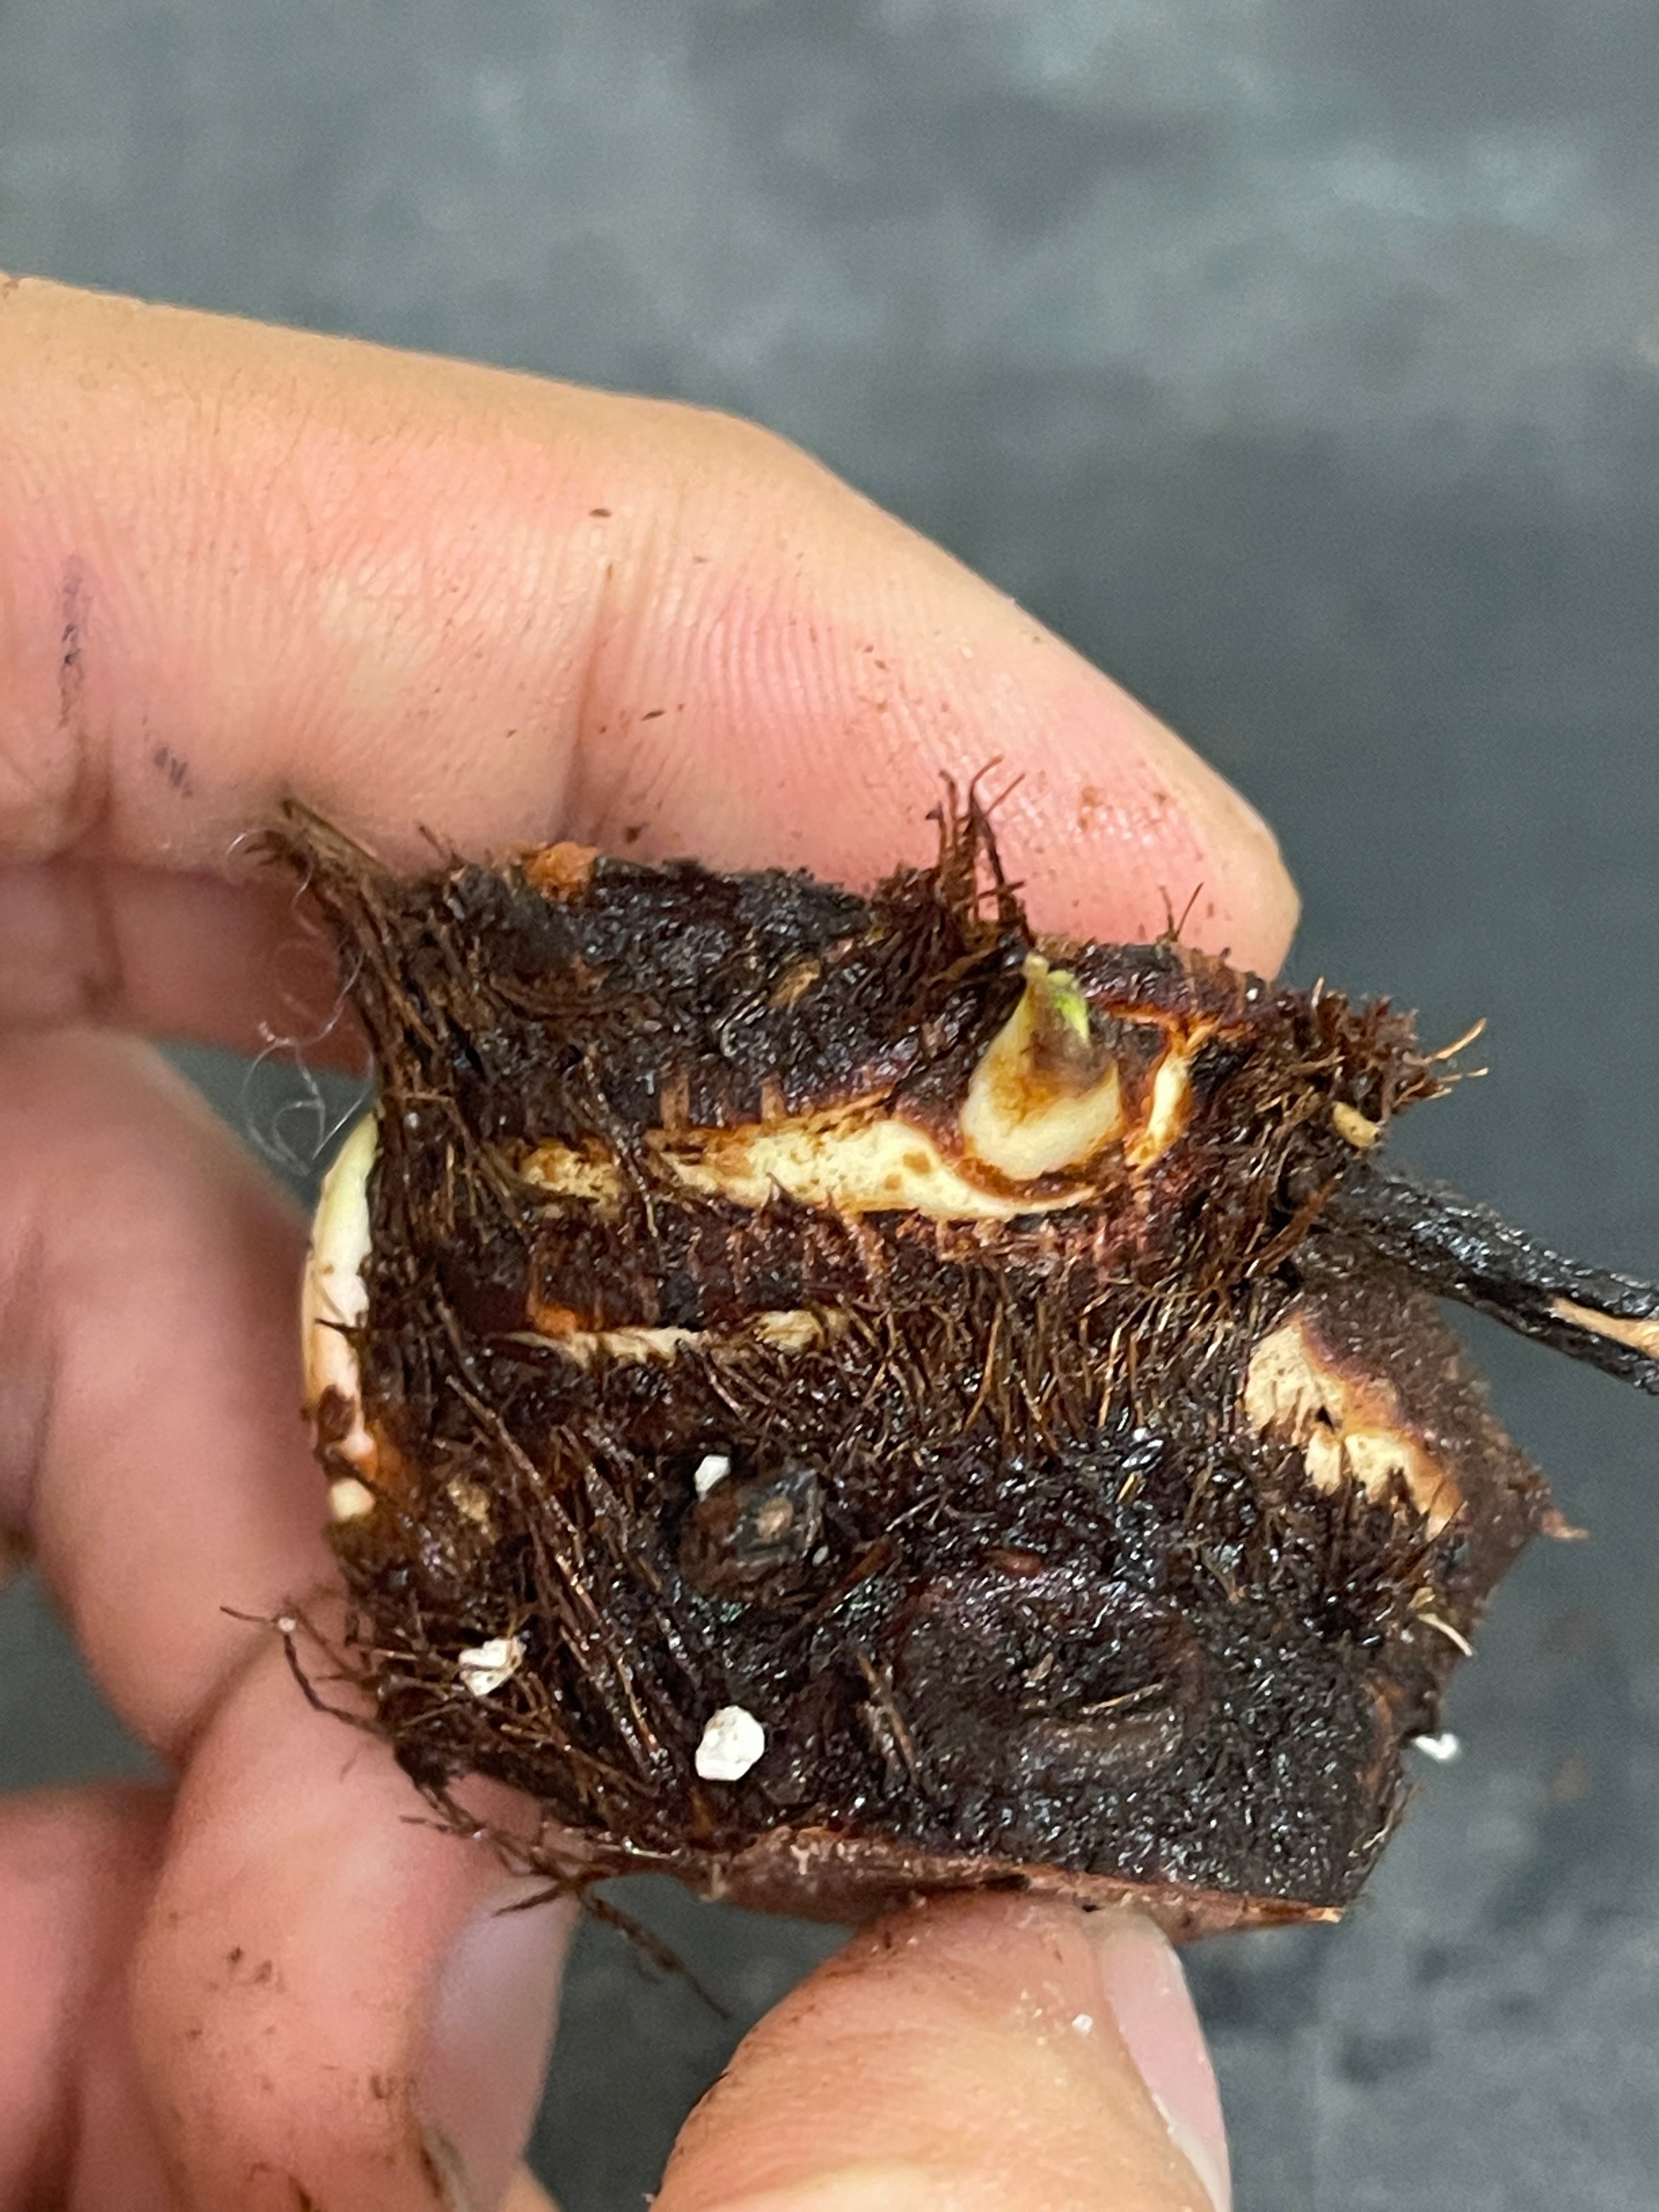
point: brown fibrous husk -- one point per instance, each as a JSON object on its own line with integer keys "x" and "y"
{"x": 1021, "y": 1592}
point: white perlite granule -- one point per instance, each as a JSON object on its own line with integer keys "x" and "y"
{"x": 732, "y": 1742}
{"x": 1441, "y": 1748}
{"x": 488, "y": 1666}
{"x": 712, "y": 1470}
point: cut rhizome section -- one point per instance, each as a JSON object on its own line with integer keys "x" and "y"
{"x": 834, "y": 1394}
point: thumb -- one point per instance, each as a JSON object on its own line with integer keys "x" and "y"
{"x": 969, "y": 2055}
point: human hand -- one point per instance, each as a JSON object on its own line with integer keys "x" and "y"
{"x": 236, "y": 564}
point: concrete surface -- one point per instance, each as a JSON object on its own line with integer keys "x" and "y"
{"x": 1301, "y": 362}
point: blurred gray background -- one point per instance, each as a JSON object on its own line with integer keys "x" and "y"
{"x": 1299, "y": 359}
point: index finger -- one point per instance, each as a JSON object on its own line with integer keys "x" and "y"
{"x": 440, "y": 601}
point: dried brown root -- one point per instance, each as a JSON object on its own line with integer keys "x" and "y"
{"x": 1456, "y": 1248}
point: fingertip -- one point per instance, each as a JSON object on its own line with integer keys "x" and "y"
{"x": 963, "y": 2053}
{"x": 526, "y": 2194}
{"x": 453, "y": 605}
{"x": 832, "y": 757}
{"x": 75, "y": 1866}
{"x": 1153, "y": 2011}
{"x": 486, "y": 2054}
{"x": 1118, "y": 828}
{"x": 324, "y": 2000}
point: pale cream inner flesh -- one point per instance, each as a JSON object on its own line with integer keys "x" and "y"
{"x": 334, "y": 1299}
{"x": 1039, "y": 1103}
{"x": 1172, "y": 1093}
{"x": 792, "y": 1328}
{"x": 857, "y": 1159}
{"x": 1348, "y": 1431}
{"x": 1640, "y": 1335}
{"x": 864, "y": 1158}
